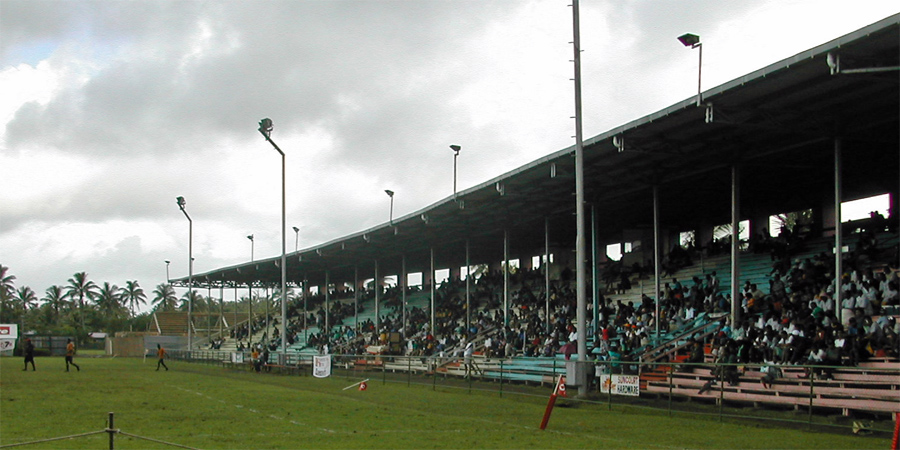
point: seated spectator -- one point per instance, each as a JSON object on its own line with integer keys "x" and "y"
{"x": 771, "y": 372}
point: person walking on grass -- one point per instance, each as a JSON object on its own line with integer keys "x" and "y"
{"x": 29, "y": 354}
{"x": 161, "y": 354}
{"x": 70, "y": 354}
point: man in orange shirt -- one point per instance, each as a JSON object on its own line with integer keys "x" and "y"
{"x": 161, "y": 354}
{"x": 70, "y": 353}
{"x": 254, "y": 357}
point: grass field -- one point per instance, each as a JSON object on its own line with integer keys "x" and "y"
{"x": 210, "y": 407}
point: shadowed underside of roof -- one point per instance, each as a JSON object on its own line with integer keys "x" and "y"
{"x": 778, "y": 125}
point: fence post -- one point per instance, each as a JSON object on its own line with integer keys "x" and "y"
{"x": 408, "y": 370}
{"x": 501, "y": 378}
{"x": 671, "y": 383}
{"x": 896, "y": 437}
{"x": 812, "y": 376}
{"x": 609, "y": 371}
{"x": 721, "y": 376}
{"x": 469, "y": 371}
{"x": 112, "y": 433}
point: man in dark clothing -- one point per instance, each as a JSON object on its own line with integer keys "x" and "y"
{"x": 29, "y": 355}
{"x": 696, "y": 355}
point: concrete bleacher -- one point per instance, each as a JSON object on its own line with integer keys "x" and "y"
{"x": 873, "y": 387}
{"x": 171, "y": 323}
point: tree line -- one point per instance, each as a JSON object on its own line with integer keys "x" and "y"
{"x": 82, "y": 306}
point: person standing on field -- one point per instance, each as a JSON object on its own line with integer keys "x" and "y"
{"x": 161, "y": 354}
{"x": 467, "y": 359}
{"x": 70, "y": 354}
{"x": 29, "y": 354}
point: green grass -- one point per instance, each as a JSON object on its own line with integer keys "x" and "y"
{"x": 211, "y": 407}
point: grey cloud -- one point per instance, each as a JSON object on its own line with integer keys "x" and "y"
{"x": 294, "y": 60}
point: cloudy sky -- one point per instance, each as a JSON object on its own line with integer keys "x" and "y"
{"x": 112, "y": 109}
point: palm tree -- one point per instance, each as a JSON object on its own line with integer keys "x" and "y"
{"x": 199, "y": 301}
{"x": 25, "y": 296}
{"x": 164, "y": 297}
{"x": 133, "y": 294}
{"x": 56, "y": 298}
{"x": 109, "y": 301}
{"x": 7, "y": 289}
{"x": 79, "y": 287}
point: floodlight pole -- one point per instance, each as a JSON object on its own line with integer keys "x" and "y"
{"x": 167, "y": 271}
{"x": 390, "y": 194}
{"x": 250, "y": 303}
{"x": 297, "y": 241}
{"x": 580, "y": 254}
{"x": 181, "y": 204}
{"x": 693, "y": 41}
{"x": 699, "y": 47}
{"x": 265, "y": 128}
{"x": 456, "y": 150}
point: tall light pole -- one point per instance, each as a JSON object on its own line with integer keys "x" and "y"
{"x": 265, "y": 128}
{"x": 250, "y": 294}
{"x": 181, "y": 203}
{"x": 167, "y": 271}
{"x": 693, "y": 41}
{"x": 456, "y": 150}
{"x": 390, "y": 194}
{"x": 580, "y": 254}
{"x": 297, "y": 241}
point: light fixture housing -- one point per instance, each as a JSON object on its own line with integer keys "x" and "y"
{"x": 455, "y": 148}
{"x": 389, "y": 192}
{"x": 689, "y": 40}
{"x": 265, "y": 126}
{"x": 180, "y": 201}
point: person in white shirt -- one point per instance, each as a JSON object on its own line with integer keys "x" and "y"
{"x": 862, "y": 302}
{"x": 890, "y": 294}
{"x": 847, "y": 305}
{"x": 467, "y": 358}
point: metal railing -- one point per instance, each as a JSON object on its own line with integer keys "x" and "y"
{"x": 829, "y": 395}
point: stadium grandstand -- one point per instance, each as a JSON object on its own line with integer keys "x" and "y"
{"x": 689, "y": 194}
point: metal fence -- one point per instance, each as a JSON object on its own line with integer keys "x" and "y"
{"x": 859, "y": 398}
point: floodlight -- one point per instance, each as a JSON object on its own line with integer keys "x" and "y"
{"x": 689, "y": 40}
{"x": 265, "y": 126}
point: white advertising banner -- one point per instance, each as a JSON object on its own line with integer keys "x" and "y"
{"x": 7, "y": 344}
{"x": 237, "y": 357}
{"x": 322, "y": 366}
{"x": 9, "y": 331}
{"x": 621, "y": 384}
{"x": 8, "y": 334}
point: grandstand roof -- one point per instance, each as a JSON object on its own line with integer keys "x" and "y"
{"x": 777, "y": 123}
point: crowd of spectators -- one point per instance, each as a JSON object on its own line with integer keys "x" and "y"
{"x": 796, "y": 320}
